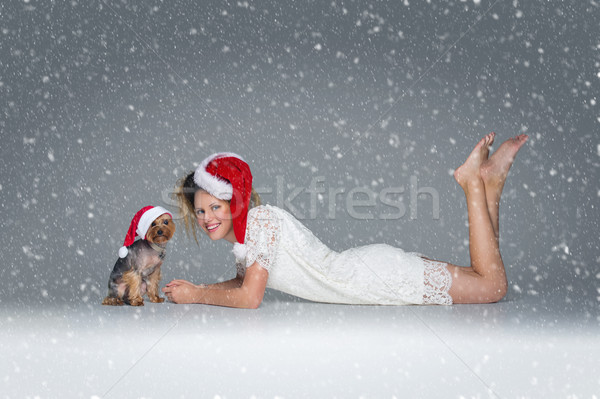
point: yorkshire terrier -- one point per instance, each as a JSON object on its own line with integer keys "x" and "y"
{"x": 138, "y": 273}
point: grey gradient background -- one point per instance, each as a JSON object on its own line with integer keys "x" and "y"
{"x": 104, "y": 105}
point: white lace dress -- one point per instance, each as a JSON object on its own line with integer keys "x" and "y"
{"x": 301, "y": 265}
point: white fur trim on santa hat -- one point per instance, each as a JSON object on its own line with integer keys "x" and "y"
{"x": 215, "y": 186}
{"x": 147, "y": 218}
{"x": 240, "y": 251}
{"x": 123, "y": 251}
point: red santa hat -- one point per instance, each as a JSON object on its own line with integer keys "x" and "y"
{"x": 140, "y": 224}
{"x": 227, "y": 176}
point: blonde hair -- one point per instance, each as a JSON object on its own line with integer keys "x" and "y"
{"x": 185, "y": 191}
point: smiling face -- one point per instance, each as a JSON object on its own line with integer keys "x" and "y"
{"x": 213, "y": 216}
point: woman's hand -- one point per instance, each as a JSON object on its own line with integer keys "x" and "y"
{"x": 248, "y": 295}
{"x": 181, "y": 291}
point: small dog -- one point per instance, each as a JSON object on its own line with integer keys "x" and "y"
{"x": 138, "y": 272}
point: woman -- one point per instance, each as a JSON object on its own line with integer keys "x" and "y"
{"x": 275, "y": 250}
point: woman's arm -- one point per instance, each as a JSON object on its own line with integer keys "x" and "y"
{"x": 249, "y": 295}
{"x": 233, "y": 283}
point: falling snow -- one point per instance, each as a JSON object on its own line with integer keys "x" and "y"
{"x": 106, "y": 104}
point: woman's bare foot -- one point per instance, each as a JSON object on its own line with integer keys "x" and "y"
{"x": 495, "y": 169}
{"x": 469, "y": 172}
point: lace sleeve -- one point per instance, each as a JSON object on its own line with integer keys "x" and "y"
{"x": 262, "y": 237}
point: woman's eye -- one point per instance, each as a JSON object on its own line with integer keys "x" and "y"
{"x": 216, "y": 207}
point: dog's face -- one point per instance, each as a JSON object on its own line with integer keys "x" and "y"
{"x": 161, "y": 230}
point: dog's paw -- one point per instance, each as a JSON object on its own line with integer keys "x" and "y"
{"x": 157, "y": 300}
{"x": 111, "y": 301}
{"x": 136, "y": 302}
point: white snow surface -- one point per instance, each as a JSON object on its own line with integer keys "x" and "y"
{"x": 523, "y": 347}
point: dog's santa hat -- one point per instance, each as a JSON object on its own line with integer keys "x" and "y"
{"x": 140, "y": 224}
{"x": 227, "y": 176}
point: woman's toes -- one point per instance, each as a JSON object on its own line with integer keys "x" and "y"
{"x": 521, "y": 139}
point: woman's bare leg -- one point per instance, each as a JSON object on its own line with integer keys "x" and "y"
{"x": 483, "y": 245}
{"x": 494, "y": 172}
{"x": 485, "y": 281}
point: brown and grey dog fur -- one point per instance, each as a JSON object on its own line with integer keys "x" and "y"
{"x": 139, "y": 272}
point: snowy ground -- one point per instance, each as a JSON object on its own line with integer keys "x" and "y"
{"x": 105, "y": 104}
{"x": 520, "y": 348}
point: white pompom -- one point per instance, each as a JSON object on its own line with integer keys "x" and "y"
{"x": 123, "y": 251}
{"x": 239, "y": 250}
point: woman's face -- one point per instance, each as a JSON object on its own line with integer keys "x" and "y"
{"x": 213, "y": 216}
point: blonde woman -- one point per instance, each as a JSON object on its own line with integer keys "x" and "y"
{"x": 273, "y": 249}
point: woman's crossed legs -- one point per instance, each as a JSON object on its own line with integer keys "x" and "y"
{"x": 482, "y": 179}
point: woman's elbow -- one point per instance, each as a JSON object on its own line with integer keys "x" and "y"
{"x": 252, "y": 300}
{"x": 253, "y": 303}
